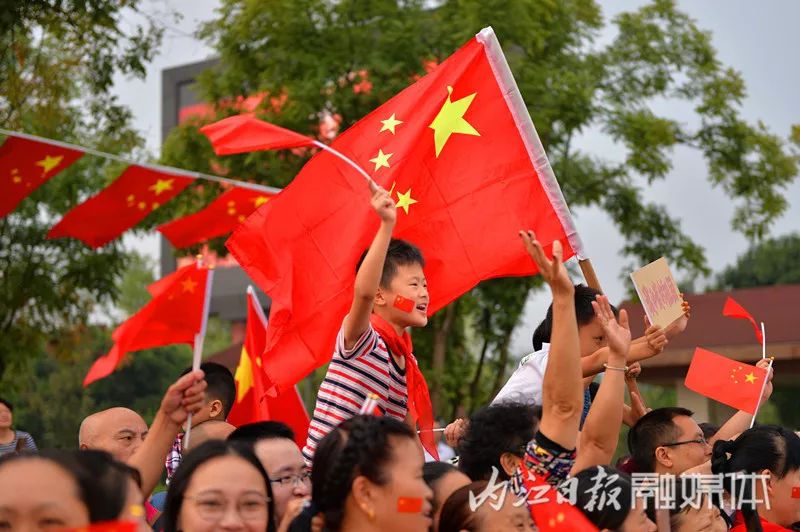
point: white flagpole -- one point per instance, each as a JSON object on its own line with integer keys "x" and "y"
{"x": 763, "y": 387}
{"x": 373, "y": 186}
{"x": 199, "y": 338}
{"x": 763, "y": 341}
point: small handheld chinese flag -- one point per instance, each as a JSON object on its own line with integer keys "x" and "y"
{"x": 137, "y": 192}
{"x": 222, "y": 216}
{"x": 245, "y": 133}
{"x": 174, "y": 316}
{"x": 252, "y": 404}
{"x": 733, "y": 309}
{"x": 105, "y": 526}
{"x": 727, "y": 381}
{"x": 549, "y": 510}
{"x": 25, "y": 165}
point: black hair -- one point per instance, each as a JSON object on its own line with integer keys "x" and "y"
{"x": 770, "y": 447}
{"x": 198, "y": 456}
{"x": 360, "y": 446}
{"x": 584, "y": 313}
{"x": 653, "y": 430}
{"x": 610, "y": 515}
{"x": 400, "y": 253}
{"x": 7, "y": 403}
{"x": 261, "y": 430}
{"x": 432, "y": 473}
{"x": 457, "y": 515}
{"x": 102, "y": 481}
{"x": 220, "y": 385}
{"x": 506, "y": 427}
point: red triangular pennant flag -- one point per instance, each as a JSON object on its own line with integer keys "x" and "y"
{"x": 219, "y": 218}
{"x": 727, "y": 381}
{"x": 25, "y": 165}
{"x": 252, "y": 404}
{"x": 124, "y": 203}
{"x": 733, "y": 309}
{"x": 245, "y": 133}
{"x": 173, "y": 316}
{"x": 458, "y": 152}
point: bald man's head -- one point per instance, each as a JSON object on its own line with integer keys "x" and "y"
{"x": 118, "y": 431}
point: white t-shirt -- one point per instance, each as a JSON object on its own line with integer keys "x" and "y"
{"x": 525, "y": 384}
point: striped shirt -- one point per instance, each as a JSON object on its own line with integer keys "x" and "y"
{"x": 353, "y": 374}
{"x": 23, "y": 440}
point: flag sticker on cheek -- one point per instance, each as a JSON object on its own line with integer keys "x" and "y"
{"x": 796, "y": 492}
{"x": 409, "y": 505}
{"x": 406, "y": 305}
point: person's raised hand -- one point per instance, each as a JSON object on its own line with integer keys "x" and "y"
{"x": 553, "y": 271}
{"x": 764, "y": 363}
{"x": 454, "y": 432}
{"x": 634, "y": 370}
{"x": 293, "y": 509}
{"x": 384, "y": 206}
{"x": 618, "y": 333}
{"x": 656, "y": 337}
{"x": 185, "y": 396}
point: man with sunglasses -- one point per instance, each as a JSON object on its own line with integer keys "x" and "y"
{"x": 274, "y": 445}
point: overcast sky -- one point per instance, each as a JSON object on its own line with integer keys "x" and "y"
{"x": 759, "y": 39}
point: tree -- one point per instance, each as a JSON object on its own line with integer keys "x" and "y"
{"x": 770, "y": 262}
{"x": 57, "y": 62}
{"x": 315, "y": 59}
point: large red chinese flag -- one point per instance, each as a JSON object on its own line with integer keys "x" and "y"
{"x": 173, "y": 316}
{"x": 137, "y": 192}
{"x": 252, "y": 404}
{"x": 25, "y": 165}
{"x": 733, "y": 383}
{"x": 219, "y": 218}
{"x": 461, "y": 158}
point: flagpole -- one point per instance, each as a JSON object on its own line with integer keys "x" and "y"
{"x": 763, "y": 387}
{"x": 589, "y": 274}
{"x": 157, "y": 167}
{"x": 199, "y": 338}
{"x": 763, "y": 341}
{"x": 373, "y": 186}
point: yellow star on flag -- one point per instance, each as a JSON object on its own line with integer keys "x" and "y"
{"x": 243, "y": 376}
{"x": 161, "y": 185}
{"x": 389, "y": 124}
{"x": 404, "y": 201}
{"x": 750, "y": 377}
{"x": 451, "y": 120}
{"x": 49, "y": 162}
{"x": 381, "y": 160}
{"x": 261, "y": 200}
{"x": 189, "y": 285}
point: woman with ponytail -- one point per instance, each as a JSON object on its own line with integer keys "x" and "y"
{"x": 367, "y": 476}
{"x": 767, "y": 450}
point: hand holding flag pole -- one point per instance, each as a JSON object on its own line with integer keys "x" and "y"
{"x": 199, "y": 338}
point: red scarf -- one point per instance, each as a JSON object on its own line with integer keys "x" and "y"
{"x": 419, "y": 399}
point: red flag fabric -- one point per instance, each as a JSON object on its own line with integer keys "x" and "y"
{"x": 25, "y": 165}
{"x": 105, "y": 526}
{"x": 727, "y": 381}
{"x": 550, "y": 511}
{"x": 732, "y": 309}
{"x": 461, "y": 157}
{"x": 173, "y": 316}
{"x": 252, "y": 404}
{"x": 220, "y": 217}
{"x": 124, "y": 203}
{"x": 244, "y": 133}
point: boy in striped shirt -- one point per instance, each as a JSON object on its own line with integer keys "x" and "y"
{"x": 373, "y": 350}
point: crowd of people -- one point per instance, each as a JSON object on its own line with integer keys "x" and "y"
{"x": 539, "y": 456}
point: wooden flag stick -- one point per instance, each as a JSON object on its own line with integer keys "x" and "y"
{"x": 589, "y": 274}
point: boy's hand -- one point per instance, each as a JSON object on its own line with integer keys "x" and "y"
{"x": 553, "y": 271}
{"x": 185, "y": 396}
{"x": 384, "y": 206}
{"x": 618, "y": 334}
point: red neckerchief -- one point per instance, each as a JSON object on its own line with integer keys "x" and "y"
{"x": 419, "y": 399}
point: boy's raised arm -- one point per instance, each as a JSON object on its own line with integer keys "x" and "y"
{"x": 368, "y": 277}
{"x": 562, "y": 389}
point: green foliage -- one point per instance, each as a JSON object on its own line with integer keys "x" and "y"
{"x": 57, "y": 61}
{"x": 771, "y": 262}
{"x": 309, "y": 56}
